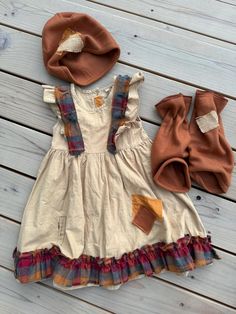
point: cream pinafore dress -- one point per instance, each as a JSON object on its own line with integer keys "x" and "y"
{"x": 77, "y": 227}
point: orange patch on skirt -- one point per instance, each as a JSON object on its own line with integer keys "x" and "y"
{"x": 145, "y": 211}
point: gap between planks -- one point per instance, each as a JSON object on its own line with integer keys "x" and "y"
{"x": 148, "y": 123}
{"x": 20, "y": 29}
{"x": 63, "y": 294}
{"x": 197, "y": 293}
{"x": 47, "y": 286}
{"x": 135, "y": 14}
{"x": 172, "y": 78}
{"x": 148, "y": 70}
{"x": 155, "y": 277}
{"x": 154, "y": 89}
{"x": 215, "y": 246}
{"x": 160, "y": 31}
{"x": 132, "y": 65}
{"x": 162, "y": 22}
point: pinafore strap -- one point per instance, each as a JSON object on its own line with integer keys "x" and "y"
{"x": 68, "y": 112}
{"x": 119, "y": 105}
{"x": 72, "y": 129}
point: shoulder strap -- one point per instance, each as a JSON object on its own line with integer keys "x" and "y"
{"x": 119, "y": 105}
{"x": 72, "y": 130}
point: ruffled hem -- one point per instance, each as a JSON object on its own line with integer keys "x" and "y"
{"x": 181, "y": 256}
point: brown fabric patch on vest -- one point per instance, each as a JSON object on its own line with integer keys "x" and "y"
{"x": 208, "y": 122}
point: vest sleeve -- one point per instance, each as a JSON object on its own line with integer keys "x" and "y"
{"x": 132, "y": 110}
{"x": 49, "y": 98}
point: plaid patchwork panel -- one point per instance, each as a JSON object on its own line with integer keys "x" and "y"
{"x": 184, "y": 255}
{"x": 69, "y": 117}
{"x": 119, "y": 105}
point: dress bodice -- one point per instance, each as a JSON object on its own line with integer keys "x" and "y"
{"x": 94, "y": 114}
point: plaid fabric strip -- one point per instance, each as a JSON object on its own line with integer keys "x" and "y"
{"x": 184, "y": 255}
{"x": 69, "y": 117}
{"x": 119, "y": 104}
{"x": 33, "y": 266}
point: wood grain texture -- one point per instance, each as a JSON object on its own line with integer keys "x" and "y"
{"x": 162, "y": 49}
{"x": 29, "y": 147}
{"x": 32, "y": 146}
{"x": 218, "y": 277}
{"x": 38, "y": 299}
{"x": 14, "y": 192}
{"x": 22, "y": 100}
{"x": 209, "y": 17}
{"x": 20, "y": 149}
{"x": 217, "y": 214}
{"x": 147, "y": 295}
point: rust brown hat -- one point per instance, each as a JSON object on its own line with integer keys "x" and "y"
{"x": 77, "y": 48}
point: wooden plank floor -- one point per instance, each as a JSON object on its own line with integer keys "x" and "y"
{"x": 180, "y": 46}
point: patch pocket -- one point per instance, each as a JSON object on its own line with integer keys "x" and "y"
{"x": 145, "y": 211}
{"x": 61, "y": 227}
{"x": 208, "y": 121}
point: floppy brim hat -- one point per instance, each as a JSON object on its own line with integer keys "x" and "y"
{"x": 77, "y": 48}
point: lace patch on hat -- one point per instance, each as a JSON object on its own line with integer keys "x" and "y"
{"x": 208, "y": 121}
{"x": 71, "y": 41}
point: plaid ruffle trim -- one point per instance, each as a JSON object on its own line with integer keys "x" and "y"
{"x": 184, "y": 255}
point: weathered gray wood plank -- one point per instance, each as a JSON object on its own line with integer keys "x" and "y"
{"x": 217, "y": 277}
{"x": 218, "y": 214}
{"x": 32, "y": 146}
{"x": 19, "y": 150}
{"x": 25, "y": 106}
{"x": 22, "y": 100}
{"x": 156, "y": 47}
{"x": 210, "y": 17}
{"x": 37, "y": 299}
{"x": 14, "y": 192}
{"x": 146, "y": 295}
